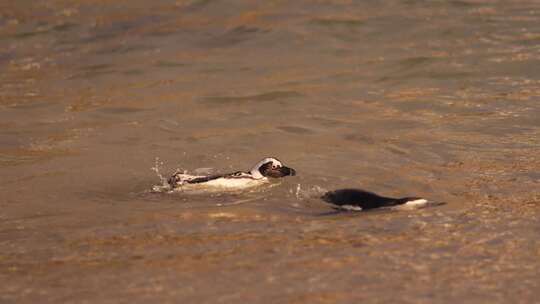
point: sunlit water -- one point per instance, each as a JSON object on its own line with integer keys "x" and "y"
{"x": 435, "y": 99}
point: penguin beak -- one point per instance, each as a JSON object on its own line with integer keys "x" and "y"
{"x": 287, "y": 171}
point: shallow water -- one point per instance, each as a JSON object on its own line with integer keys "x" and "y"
{"x": 439, "y": 99}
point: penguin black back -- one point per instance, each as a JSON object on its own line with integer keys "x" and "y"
{"x": 358, "y": 199}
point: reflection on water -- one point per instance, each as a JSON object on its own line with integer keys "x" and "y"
{"x": 435, "y": 99}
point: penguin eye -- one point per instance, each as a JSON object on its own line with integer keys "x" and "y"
{"x": 274, "y": 167}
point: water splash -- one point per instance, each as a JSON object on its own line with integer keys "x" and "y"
{"x": 164, "y": 186}
{"x": 310, "y": 192}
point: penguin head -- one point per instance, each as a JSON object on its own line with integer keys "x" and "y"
{"x": 271, "y": 167}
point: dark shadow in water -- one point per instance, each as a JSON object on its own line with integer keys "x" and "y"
{"x": 232, "y": 37}
{"x": 359, "y": 138}
{"x": 335, "y": 22}
{"x": 199, "y": 4}
{"x": 296, "y": 130}
{"x": 426, "y": 74}
{"x": 414, "y": 62}
{"x": 123, "y": 49}
{"x": 97, "y": 67}
{"x": 459, "y": 3}
{"x": 120, "y": 110}
{"x": 28, "y": 34}
{"x": 133, "y": 72}
{"x": 57, "y": 28}
{"x": 339, "y": 213}
{"x": 64, "y": 27}
{"x": 5, "y": 57}
{"x": 169, "y": 64}
{"x": 270, "y": 96}
{"x": 93, "y": 70}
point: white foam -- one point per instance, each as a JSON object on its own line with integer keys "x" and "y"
{"x": 350, "y": 208}
{"x": 155, "y": 168}
{"x": 164, "y": 186}
{"x": 308, "y": 193}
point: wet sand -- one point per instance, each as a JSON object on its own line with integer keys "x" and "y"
{"x": 439, "y": 99}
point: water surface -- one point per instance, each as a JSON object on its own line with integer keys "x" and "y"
{"x": 438, "y": 99}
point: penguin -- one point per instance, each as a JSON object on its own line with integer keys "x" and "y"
{"x": 358, "y": 200}
{"x": 268, "y": 167}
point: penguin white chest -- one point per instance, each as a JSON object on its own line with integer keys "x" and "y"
{"x": 234, "y": 183}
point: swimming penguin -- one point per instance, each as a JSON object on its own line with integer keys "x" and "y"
{"x": 358, "y": 200}
{"x": 267, "y": 168}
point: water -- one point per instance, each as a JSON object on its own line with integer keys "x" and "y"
{"x": 438, "y": 99}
